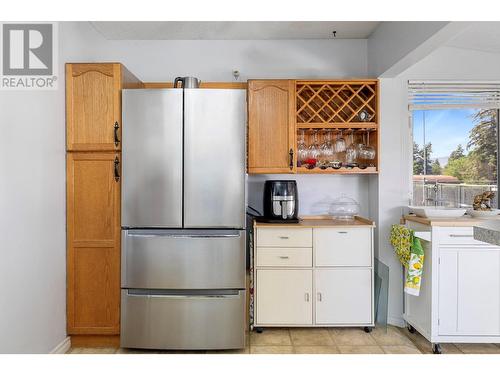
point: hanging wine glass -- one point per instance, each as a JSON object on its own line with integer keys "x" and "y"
{"x": 327, "y": 151}
{"x": 313, "y": 151}
{"x": 340, "y": 143}
{"x": 351, "y": 152}
{"x": 301, "y": 149}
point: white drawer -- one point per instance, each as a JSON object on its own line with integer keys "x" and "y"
{"x": 343, "y": 247}
{"x": 458, "y": 236}
{"x": 284, "y": 257}
{"x": 284, "y": 237}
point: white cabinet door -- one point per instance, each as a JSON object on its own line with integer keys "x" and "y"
{"x": 283, "y": 297}
{"x": 343, "y": 296}
{"x": 469, "y": 292}
{"x": 342, "y": 247}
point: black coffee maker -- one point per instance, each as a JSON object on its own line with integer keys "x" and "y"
{"x": 281, "y": 202}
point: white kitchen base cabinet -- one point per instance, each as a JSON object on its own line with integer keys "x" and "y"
{"x": 279, "y": 303}
{"x": 315, "y": 273}
{"x": 343, "y": 296}
{"x": 459, "y": 300}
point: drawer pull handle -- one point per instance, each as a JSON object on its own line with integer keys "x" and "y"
{"x": 320, "y": 297}
{"x": 284, "y": 257}
{"x": 461, "y": 235}
{"x": 284, "y": 237}
{"x": 307, "y": 297}
{"x": 342, "y": 232}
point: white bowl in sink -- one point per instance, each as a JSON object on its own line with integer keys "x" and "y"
{"x": 432, "y": 211}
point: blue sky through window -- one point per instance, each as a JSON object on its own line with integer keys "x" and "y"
{"x": 445, "y": 129}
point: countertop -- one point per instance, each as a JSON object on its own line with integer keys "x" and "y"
{"x": 464, "y": 221}
{"x": 321, "y": 221}
{"x": 488, "y": 231}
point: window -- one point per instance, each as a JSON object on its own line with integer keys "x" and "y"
{"x": 455, "y": 142}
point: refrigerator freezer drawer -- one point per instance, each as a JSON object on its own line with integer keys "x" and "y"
{"x": 183, "y": 259}
{"x": 183, "y": 321}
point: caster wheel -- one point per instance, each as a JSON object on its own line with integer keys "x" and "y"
{"x": 368, "y": 329}
{"x": 259, "y": 329}
{"x": 411, "y": 329}
{"x": 436, "y": 349}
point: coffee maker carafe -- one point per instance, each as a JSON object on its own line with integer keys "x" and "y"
{"x": 281, "y": 202}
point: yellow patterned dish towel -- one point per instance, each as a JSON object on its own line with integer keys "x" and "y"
{"x": 415, "y": 268}
{"x": 411, "y": 254}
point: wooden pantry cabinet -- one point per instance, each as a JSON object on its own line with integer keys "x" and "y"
{"x": 93, "y": 169}
{"x": 271, "y": 129}
{"x": 93, "y": 105}
{"x": 93, "y": 229}
{"x": 315, "y": 273}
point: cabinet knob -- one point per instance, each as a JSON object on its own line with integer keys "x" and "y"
{"x": 306, "y": 297}
{"x": 291, "y": 158}
{"x": 320, "y": 297}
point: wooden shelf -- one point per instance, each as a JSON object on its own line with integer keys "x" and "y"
{"x": 337, "y": 125}
{"x": 368, "y": 170}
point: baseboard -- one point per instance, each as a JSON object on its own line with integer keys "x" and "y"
{"x": 396, "y": 321}
{"x": 95, "y": 341}
{"x": 62, "y": 347}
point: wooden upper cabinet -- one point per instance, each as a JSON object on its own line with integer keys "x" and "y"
{"x": 93, "y": 105}
{"x": 93, "y": 231}
{"x": 271, "y": 126}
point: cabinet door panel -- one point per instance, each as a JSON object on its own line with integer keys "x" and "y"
{"x": 271, "y": 126}
{"x": 93, "y": 231}
{"x": 93, "y": 106}
{"x": 343, "y": 247}
{"x": 95, "y": 280}
{"x": 343, "y": 296}
{"x": 284, "y": 297}
{"x": 469, "y": 292}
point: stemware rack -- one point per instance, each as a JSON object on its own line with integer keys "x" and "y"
{"x": 350, "y": 106}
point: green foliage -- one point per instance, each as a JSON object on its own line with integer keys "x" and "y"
{"x": 457, "y": 154}
{"x": 419, "y": 154}
{"x": 436, "y": 167}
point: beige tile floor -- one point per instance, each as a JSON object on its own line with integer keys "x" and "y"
{"x": 325, "y": 341}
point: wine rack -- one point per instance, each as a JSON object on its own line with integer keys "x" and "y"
{"x": 350, "y": 106}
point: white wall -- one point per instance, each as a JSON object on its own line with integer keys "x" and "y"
{"x": 32, "y": 210}
{"x": 392, "y": 41}
{"x": 446, "y": 63}
{"x": 316, "y": 192}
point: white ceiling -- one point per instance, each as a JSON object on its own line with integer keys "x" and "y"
{"x": 480, "y": 36}
{"x": 177, "y": 30}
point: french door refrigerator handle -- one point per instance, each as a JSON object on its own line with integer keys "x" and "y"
{"x": 211, "y": 295}
{"x": 179, "y": 234}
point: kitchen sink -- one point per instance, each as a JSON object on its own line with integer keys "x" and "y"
{"x": 436, "y": 212}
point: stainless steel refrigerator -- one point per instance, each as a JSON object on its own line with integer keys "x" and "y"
{"x": 183, "y": 219}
